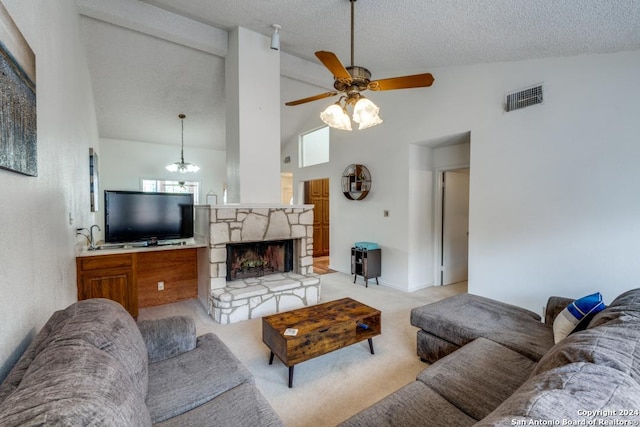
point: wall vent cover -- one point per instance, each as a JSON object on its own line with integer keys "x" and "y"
{"x": 524, "y": 98}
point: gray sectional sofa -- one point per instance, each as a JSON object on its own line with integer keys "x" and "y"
{"x": 495, "y": 364}
{"x": 92, "y": 364}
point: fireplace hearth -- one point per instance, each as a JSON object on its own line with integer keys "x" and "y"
{"x": 256, "y": 259}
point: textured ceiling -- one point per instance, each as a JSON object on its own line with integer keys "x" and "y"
{"x": 419, "y": 34}
{"x": 140, "y": 81}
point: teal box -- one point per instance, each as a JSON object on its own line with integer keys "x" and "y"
{"x": 366, "y": 245}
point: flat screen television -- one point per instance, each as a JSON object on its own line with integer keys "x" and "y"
{"x": 135, "y": 216}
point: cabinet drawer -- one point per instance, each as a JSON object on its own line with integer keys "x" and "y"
{"x": 105, "y": 261}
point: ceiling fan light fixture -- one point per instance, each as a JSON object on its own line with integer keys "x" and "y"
{"x": 351, "y": 81}
{"x": 181, "y": 166}
{"x": 335, "y": 115}
{"x": 365, "y": 113}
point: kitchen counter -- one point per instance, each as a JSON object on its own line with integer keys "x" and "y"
{"x": 117, "y": 248}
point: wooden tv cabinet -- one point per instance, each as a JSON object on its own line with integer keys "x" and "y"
{"x": 132, "y": 278}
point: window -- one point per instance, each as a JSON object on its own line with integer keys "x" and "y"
{"x": 314, "y": 147}
{"x": 165, "y": 186}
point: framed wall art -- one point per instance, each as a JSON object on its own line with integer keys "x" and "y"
{"x": 93, "y": 179}
{"x": 18, "y": 142}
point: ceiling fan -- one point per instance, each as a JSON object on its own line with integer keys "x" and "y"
{"x": 351, "y": 81}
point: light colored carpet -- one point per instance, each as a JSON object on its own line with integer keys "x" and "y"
{"x": 330, "y": 388}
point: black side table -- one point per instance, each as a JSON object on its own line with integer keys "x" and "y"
{"x": 365, "y": 263}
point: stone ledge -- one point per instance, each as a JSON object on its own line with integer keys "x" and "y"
{"x": 256, "y": 297}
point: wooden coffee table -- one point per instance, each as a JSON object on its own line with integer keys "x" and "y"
{"x": 320, "y": 329}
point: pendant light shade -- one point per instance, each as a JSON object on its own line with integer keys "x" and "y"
{"x": 181, "y": 166}
{"x": 335, "y": 115}
{"x": 365, "y": 113}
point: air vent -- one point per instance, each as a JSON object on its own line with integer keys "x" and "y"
{"x": 524, "y": 98}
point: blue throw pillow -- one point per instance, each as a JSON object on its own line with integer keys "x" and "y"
{"x": 574, "y": 313}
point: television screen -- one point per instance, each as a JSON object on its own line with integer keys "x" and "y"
{"x": 133, "y": 216}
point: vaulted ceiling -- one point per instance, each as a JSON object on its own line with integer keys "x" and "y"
{"x": 142, "y": 79}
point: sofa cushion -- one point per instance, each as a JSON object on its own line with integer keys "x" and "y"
{"x": 414, "y": 405}
{"x": 12, "y": 381}
{"x": 623, "y": 311}
{"x": 106, "y": 325}
{"x": 431, "y": 348}
{"x": 579, "y": 311}
{"x": 567, "y": 393}
{"x": 608, "y": 345}
{"x": 73, "y": 383}
{"x": 478, "y": 377}
{"x": 241, "y": 406}
{"x": 168, "y": 337}
{"x": 102, "y": 323}
{"x": 462, "y": 318}
{"x": 180, "y": 384}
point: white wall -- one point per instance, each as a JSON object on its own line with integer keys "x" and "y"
{"x": 37, "y": 243}
{"x": 553, "y": 209}
{"x": 253, "y": 125}
{"x": 554, "y": 203}
{"x": 124, "y": 163}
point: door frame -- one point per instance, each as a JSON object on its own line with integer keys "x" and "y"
{"x": 303, "y": 197}
{"x": 437, "y": 214}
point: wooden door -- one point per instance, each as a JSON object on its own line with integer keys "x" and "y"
{"x": 316, "y": 193}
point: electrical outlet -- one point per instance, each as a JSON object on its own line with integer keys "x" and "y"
{"x": 161, "y": 286}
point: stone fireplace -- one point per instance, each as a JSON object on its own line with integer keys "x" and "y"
{"x": 259, "y": 260}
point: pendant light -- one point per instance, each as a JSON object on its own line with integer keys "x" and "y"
{"x": 181, "y": 166}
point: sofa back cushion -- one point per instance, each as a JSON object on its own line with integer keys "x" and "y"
{"x": 71, "y": 382}
{"x": 102, "y": 324}
{"x": 612, "y": 346}
{"x": 12, "y": 381}
{"x": 623, "y": 311}
{"x": 107, "y": 326}
{"x": 611, "y": 339}
{"x": 168, "y": 337}
{"x": 574, "y": 392}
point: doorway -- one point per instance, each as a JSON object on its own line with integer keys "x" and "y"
{"x": 454, "y": 226}
{"x": 316, "y": 192}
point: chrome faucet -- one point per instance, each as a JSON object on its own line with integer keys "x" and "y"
{"x": 92, "y": 242}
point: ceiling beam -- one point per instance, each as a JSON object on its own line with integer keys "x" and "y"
{"x": 157, "y": 22}
{"x": 154, "y": 21}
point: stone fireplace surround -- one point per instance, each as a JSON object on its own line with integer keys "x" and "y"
{"x": 234, "y": 301}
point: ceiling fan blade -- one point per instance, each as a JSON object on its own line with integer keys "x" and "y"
{"x": 311, "y": 98}
{"x": 405, "y": 82}
{"x": 331, "y": 61}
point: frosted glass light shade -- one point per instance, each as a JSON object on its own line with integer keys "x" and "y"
{"x": 365, "y": 113}
{"x": 336, "y": 117}
{"x": 182, "y": 167}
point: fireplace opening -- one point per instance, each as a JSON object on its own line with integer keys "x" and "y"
{"x": 256, "y": 259}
